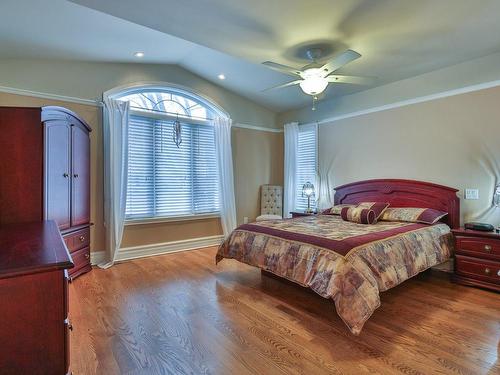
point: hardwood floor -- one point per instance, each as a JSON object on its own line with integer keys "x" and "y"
{"x": 181, "y": 314}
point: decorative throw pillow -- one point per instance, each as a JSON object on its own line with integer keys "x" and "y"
{"x": 377, "y": 207}
{"x": 358, "y": 215}
{"x": 413, "y": 215}
{"x": 335, "y": 210}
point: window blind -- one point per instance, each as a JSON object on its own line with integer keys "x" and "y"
{"x": 164, "y": 180}
{"x": 307, "y": 161}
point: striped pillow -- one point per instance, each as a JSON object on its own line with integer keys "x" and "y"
{"x": 413, "y": 215}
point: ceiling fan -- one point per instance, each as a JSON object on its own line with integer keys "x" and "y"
{"x": 314, "y": 78}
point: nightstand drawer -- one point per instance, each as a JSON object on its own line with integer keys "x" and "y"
{"x": 480, "y": 269}
{"x": 482, "y": 247}
{"x": 300, "y": 214}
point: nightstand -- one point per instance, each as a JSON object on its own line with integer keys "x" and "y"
{"x": 299, "y": 214}
{"x": 477, "y": 258}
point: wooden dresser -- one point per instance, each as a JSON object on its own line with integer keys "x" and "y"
{"x": 34, "y": 325}
{"x": 45, "y": 174}
{"x": 477, "y": 258}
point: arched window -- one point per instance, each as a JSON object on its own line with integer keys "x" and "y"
{"x": 169, "y": 102}
{"x": 166, "y": 179}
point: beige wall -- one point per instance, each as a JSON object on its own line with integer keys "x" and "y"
{"x": 88, "y": 80}
{"x": 257, "y": 160}
{"x": 454, "y": 141}
{"x": 143, "y": 234}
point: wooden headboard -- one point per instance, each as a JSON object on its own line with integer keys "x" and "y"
{"x": 403, "y": 193}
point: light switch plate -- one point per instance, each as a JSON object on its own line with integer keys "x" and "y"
{"x": 471, "y": 193}
{"x": 245, "y": 220}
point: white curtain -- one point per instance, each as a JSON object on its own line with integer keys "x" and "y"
{"x": 290, "y": 169}
{"x": 222, "y": 129}
{"x": 116, "y": 117}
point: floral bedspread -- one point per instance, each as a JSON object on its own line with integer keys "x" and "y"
{"x": 347, "y": 262}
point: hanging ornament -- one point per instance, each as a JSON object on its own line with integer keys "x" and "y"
{"x": 177, "y": 130}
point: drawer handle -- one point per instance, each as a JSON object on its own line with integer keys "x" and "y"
{"x": 487, "y": 248}
{"x": 487, "y": 271}
{"x": 87, "y": 256}
{"x": 498, "y": 273}
{"x": 81, "y": 238}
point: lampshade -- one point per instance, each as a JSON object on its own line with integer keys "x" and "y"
{"x": 308, "y": 189}
{"x": 314, "y": 83}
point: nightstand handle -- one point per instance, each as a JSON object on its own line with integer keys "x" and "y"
{"x": 487, "y": 248}
{"x": 487, "y": 271}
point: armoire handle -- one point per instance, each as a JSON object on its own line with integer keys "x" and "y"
{"x": 65, "y": 175}
{"x": 75, "y": 175}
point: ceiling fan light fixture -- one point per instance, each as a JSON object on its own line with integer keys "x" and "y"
{"x": 314, "y": 82}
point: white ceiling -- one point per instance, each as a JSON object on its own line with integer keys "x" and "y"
{"x": 398, "y": 39}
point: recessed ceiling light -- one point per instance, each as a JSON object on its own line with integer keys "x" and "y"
{"x": 139, "y": 54}
{"x": 221, "y": 76}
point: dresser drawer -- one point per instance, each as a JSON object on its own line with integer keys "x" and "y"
{"x": 480, "y": 269}
{"x": 77, "y": 240}
{"x": 81, "y": 258}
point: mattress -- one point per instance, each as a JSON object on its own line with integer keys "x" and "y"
{"x": 347, "y": 262}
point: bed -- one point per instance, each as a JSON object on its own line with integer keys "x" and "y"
{"x": 347, "y": 262}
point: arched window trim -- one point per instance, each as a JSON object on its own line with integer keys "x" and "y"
{"x": 138, "y": 87}
{"x": 214, "y": 108}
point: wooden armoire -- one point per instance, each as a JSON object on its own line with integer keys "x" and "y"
{"x": 44, "y": 193}
{"x": 45, "y": 174}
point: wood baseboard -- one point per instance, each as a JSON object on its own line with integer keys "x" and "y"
{"x": 134, "y": 252}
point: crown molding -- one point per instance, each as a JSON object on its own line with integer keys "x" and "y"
{"x": 420, "y": 99}
{"x": 95, "y": 103}
{"x": 44, "y": 95}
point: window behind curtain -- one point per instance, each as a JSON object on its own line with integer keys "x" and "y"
{"x": 307, "y": 161}
{"x": 164, "y": 180}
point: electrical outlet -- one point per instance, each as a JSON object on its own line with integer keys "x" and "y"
{"x": 471, "y": 193}
{"x": 245, "y": 220}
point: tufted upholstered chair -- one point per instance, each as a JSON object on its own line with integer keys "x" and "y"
{"x": 271, "y": 202}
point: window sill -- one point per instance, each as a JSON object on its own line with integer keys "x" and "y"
{"x": 170, "y": 219}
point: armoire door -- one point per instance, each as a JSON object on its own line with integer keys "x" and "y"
{"x": 58, "y": 172}
{"x": 80, "y": 195}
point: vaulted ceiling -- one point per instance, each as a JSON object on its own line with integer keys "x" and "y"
{"x": 397, "y": 39}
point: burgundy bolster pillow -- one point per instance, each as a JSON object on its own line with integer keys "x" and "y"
{"x": 378, "y": 207}
{"x": 358, "y": 215}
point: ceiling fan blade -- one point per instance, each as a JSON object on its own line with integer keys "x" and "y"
{"x": 339, "y": 61}
{"x": 282, "y": 68}
{"x": 296, "y": 82}
{"x": 335, "y": 78}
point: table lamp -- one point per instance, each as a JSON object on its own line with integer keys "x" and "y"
{"x": 308, "y": 191}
